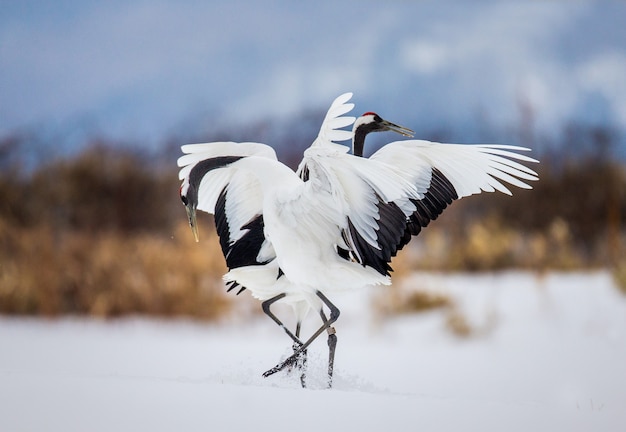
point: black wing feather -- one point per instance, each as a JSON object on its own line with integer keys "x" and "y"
{"x": 395, "y": 229}
{"x": 391, "y": 229}
{"x": 439, "y": 195}
{"x": 245, "y": 250}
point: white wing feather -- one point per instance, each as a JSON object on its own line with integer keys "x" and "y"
{"x": 195, "y": 153}
{"x": 470, "y": 168}
{"x": 334, "y": 121}
{"x": 240, "y": 184}
{"x": 245, "y": 201}
{"x": 357, "y": 183}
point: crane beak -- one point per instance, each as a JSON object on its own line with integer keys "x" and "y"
{"x": 191, "y": 214}
{"x": 398, "y": 129}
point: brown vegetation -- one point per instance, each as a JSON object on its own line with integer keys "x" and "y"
{"x": 104, "y": 233}
{"x": 109, "y": 274}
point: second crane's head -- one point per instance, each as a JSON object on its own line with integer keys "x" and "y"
{"x": 372, "y": 122}
{"x": 189, "y": 197}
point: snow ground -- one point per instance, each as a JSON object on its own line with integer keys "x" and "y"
{"x": 549, "y": 355}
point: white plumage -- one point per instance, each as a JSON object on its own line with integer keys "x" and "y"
{"x": 336, "y": 223}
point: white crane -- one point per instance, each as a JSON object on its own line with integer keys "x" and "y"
{"x": 287, "y": 239}
{"x": 236, "y": 197}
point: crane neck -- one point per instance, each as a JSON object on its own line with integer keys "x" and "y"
{"x": 358, "y": 141}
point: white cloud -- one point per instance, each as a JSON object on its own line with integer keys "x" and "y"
{"x": 425, "y": 57}
{"x": 155, "y": 61}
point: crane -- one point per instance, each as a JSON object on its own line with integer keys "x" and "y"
{"x": 240, "y": 225}
{"x": 338, "y": 221}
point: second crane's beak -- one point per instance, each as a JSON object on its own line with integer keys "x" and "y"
{"x": 398, "y": 129}
{"x": 191, "y": 214}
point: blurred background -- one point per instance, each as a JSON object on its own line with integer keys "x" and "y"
{"x": 97, "y": 97}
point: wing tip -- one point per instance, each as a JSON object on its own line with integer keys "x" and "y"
{"x": 344, "y": 97}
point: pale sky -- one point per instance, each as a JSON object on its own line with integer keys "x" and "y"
{"x": 142, "y": 69}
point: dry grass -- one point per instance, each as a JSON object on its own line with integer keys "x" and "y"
{"x": 87, "y": 243}
{"x": 396, "y": 300}
{"x": 109, "y": 274}
{"x": 619, "y": 275}
{"x": 489, "y": 245}
{"x": 458, "y": 324}
{"x": 421, "y": 301}
{"x": 43, "y": 272}
{"x": 92, "y": 234}
{"x": 51, "y": 272}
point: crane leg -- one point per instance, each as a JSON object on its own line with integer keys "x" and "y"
{"x": 297, "y": 343}
{"x": 334, "y": 314}
{"x": 266, "y": 309}
{"x": 332, "y": 344}
{"x": 301, "y": 363}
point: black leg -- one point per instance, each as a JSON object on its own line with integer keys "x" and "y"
{"x": 332, "y": 344}
{"x": 334, "y": 314}
{"x": 266, "y": 308}
{"x": 302, "y": 358}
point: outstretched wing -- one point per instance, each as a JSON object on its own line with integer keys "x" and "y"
{"x": 234, "y": 197}
{"x": 443, "y": 173}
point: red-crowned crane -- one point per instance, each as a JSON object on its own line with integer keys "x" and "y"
{"x": 336, "y": 223}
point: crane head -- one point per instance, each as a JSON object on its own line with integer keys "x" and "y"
{"x": 189, "y": 198}
{"x": 372, "y": 122}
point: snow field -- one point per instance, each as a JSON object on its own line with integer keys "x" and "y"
{"x": 548, "y": 353}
